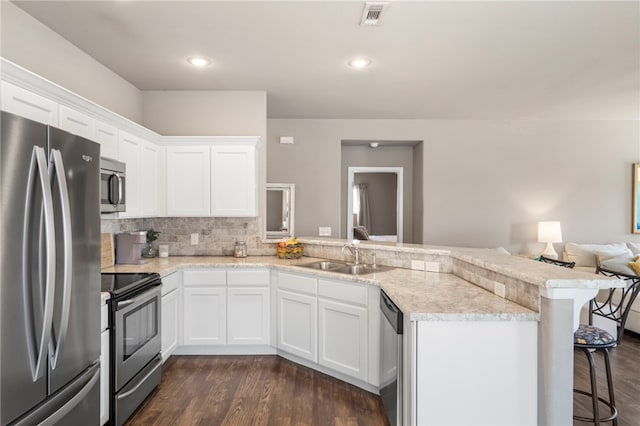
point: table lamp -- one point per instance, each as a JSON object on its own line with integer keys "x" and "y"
{"x": 549, "y": 232}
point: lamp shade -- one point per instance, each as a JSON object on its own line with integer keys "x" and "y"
{"x": 549, "y": 232}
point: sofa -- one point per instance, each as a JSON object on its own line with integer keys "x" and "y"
{"x": 614, "y": 257}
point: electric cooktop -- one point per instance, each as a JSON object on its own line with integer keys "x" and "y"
{"x": 121, "y": 283}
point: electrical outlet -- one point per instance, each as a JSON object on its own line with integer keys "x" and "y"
{"x": 324, "y": 231}
{"x": 499, "y": 289}
{"x": 194, "y": 239}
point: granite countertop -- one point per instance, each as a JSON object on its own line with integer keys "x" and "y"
{"x": 422, "y": 296}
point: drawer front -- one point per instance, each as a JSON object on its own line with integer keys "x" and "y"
{"x": 204, "y": 277}
{"x": 344, "y": 292}
{"x": 252, "y": 277}
{"x": 170, "y": 283}
{"x": 298, "y": 283}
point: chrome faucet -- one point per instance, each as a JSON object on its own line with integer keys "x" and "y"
{"x": 355, "y": 250}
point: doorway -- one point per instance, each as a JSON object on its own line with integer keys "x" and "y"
{"x": 371, "y": 194}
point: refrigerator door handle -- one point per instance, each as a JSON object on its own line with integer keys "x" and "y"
{"x": 57, "y": 166}
{"x": 37, "y": 355}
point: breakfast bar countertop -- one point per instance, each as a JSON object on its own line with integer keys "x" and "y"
{"x": 422, "y": 296}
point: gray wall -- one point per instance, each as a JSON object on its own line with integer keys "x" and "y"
{"x": 30, "y": 44}
{"x": 206, "y": 112}
{"x": 486, "y": 183}
{"x": 383, "y": 156}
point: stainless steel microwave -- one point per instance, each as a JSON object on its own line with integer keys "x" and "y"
{"x": 113, "y": 178}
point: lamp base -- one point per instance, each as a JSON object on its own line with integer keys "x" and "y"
{"x": 549, "y": 252}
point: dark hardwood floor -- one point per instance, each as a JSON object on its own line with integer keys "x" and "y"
{"x": 625, "y": 368}
{"x": 254, "y": 390}
{"x": 269, "y": 390}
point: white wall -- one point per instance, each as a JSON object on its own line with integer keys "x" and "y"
{"x": 486, "y": 183}
{"x": 30, "y": 44}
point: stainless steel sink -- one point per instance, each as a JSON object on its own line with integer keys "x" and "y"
{"x": 346, "y": 268}
{"x": 326, "y": 265}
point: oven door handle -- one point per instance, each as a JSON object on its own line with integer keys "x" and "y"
{"x": 151, "y": 293}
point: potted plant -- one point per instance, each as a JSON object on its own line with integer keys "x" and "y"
{"x": 148, "y": 250}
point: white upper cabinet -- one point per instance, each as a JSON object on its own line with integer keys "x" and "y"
{"x": 24, "y": 103}
{"x": 76, "y": 122}
{"x": 130, "y": 150}
{"x": 216, "y": 177}
{"x": 107, "y": 136}
{"x": 188, "y": 181}
{"x": 151, "y": 177}
{"x": 233, "y": 180}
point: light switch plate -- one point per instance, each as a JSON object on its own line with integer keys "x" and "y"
{"x": 324, "y": 231}
{"x": 286, "y": 140}
{"x": 194, "y": 239}
{"x": 499, "y": 289}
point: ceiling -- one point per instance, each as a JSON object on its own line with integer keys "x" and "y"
{"x": 435, "y": 60}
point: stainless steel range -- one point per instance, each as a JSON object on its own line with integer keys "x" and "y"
{"x": 134, "y": 322}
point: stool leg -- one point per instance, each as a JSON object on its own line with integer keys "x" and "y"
{"x": 594, "y": 387}
{"x": 612, "y": 400}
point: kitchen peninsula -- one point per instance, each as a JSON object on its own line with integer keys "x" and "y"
{"x": 483, "y": 329}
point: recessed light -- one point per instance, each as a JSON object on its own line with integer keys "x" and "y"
{"x": 198, "y": 61}
{"x": 359, "y": 63}
{"x": 374, "y": 144}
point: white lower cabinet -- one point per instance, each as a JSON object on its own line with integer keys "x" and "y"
{"x": 342, "y": 332}
{"x": 169, "y": 330}
{"x": 298, "y": 324}
{"x": 248, "y": 316}
{"x": 205, "y": 316}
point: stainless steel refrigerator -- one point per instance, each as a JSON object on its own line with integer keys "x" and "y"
{"x": 50, "y": 275}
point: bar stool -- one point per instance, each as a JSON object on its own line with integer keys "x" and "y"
{"x": 589, "y": 339}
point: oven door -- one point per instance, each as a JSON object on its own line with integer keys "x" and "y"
{"x": 137, "y": 334}
{"x": 112, "y": 191}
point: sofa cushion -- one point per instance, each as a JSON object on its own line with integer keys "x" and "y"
{"x": 618, "y": 264}
{"x": 585, "y": 254}
{"x": 634, "y": 247}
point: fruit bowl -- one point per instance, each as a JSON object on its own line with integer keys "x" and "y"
{"x": 290, "y": 251}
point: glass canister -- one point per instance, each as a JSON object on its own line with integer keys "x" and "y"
{"x": 240, "y": 249}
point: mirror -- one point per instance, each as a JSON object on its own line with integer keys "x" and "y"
{"x": 280, "y": 210}
{"x": 375, "y": 204}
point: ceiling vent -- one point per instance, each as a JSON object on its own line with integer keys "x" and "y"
{"x": 372, "y": 12}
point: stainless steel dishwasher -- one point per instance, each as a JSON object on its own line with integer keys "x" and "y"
{"x": 391, "y": 320}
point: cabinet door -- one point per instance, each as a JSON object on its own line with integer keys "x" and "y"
{"x": 205, "y": 316}
{"x": 151, "y": 176}
{"x": 233, "y": 181}
{"x": 75, "y": 122}
{"x": 104, "y": 377}
{"x": 343, "y": 338}
{"x": 169, "y": 331}
{"x": 188, "y": 181}
{"x": 24, "y": 103}
{"x": 107, "y": 136}
{"x": 130, "y": 150}
{"x": 298, "y": 324}
{"x": 248, "y": 316}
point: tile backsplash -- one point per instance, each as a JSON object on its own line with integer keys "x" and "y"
{"x": 216, "y": 236}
